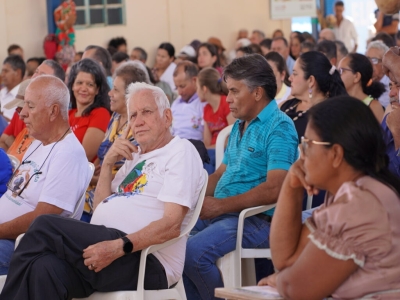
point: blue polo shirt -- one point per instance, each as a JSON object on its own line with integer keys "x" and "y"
{"x": 269, "y": 143}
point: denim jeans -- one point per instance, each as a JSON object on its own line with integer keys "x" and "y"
{"x": 213, "y": 239}
{"x": 6, "y": 251}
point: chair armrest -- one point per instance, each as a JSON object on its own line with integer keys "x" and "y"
{"x": 248, "y": 212}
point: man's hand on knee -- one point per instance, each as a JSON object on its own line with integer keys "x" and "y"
{"x": 100, "y": 255}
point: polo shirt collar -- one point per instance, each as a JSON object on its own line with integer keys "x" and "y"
{"x": 267, "y": 111}
{"x": 194, "y": 97}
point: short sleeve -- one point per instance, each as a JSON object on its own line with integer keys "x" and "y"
{"x": 99, "y": 118}
{"x": 354, "y": 226}
{"x": 9, "y": 130}
{"x": 185, "y": 189}
{"x": 282, "y": 147}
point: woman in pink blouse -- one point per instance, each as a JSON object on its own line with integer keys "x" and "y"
{"x": 350, "y": 247}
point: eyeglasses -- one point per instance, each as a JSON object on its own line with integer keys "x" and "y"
{"x": 374, "y": 60}
{"x": 14, "y": 185}
{"x": 305, "y": 144}
{"x": 341, "y": 70}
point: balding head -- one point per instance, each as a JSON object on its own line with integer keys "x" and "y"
{"x": 45, "y": 110}
{"x": 327, "y": 34}
{"x": 51, "y": 90}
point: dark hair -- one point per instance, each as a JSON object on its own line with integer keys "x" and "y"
{"x": 299, "y": 37}
{"x": 195, "y": 44}
{"x": 245, "y": 50}
{"x": 280, "y": 64}
{"x": 190, "y": 69}
{"x": 88, "y": 65}
{"x": 120, "y": 57}
{"x": 361, "y": 64}
{"x": 281, "y": 39}
{"x": 308, "y": 45}
{"x": 385, "y": 38}
{"x": 213, "y": 51}
{"x": 266, "y": 43}
{"x": 351, "y": 124}
{"x": 328, "y": 48}
{"x": 129, "y": 73}
{"x": 339, "y": 3}
{"x": 255, "y": 48}
{"x": 38, "y": 60}
{"x": 210, "y": 78}
{"x": 316, "y": 64}
{"x": 297, "y": 33}
{"x": 114, "y": 44}
{"x": 307, "y": 35}
{"x": 102, "y": 56}
{"x": 143, "y": 53}
{"x": 398, "y": 35}
{"x": 12, "y": 48}
{"x": 169, "y": 48}
{"x": 254, "y": 71}
{"x": 57, "y": 69}
{"x": 341, "y": 47}
{"x": 16, "y": 62}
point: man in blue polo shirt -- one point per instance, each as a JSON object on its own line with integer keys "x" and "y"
{"x": 262, "y": 146}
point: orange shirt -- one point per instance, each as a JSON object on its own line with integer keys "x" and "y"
{"x": 20, "y": 144}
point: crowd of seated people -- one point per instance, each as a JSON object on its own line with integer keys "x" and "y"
{"x": 309, "y": 116}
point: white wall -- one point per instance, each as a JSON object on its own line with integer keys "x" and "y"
{"x": 148, "y": 23}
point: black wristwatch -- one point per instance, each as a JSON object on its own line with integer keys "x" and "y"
{"x": 128, "y": 246}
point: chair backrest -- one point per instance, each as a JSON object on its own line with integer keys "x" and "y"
{"x": 79, "y": 205}
{"x": 14, "y": 162}
{"x": 220, "y": 145}
{"x": 199, "y": 205}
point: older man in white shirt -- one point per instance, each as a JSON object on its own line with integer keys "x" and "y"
{"x": 12, "y": 73}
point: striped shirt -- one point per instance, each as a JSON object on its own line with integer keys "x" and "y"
{"x": 269, "y": 143}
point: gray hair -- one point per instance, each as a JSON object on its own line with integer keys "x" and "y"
{"x": 341, "y": 47}
{"x": 260, "y": 33}
{"x": 379, "y": 45}
{"x": 143, "y": 53}
{"x": 159, "y": 96}
{"x": 140, "y": 65}
{"x": 254, "y": 71}
{"x": 54, "y": 91}
{"x": 58, "y": 70}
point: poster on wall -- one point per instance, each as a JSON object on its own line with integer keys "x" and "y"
{"x": 286, "y": 9}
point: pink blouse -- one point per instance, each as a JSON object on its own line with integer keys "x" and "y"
{"x": 362, "y": 222}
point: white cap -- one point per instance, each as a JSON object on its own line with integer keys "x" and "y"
{"x": 188, "y": 50}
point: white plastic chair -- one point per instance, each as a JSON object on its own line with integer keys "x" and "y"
{"x": 77, "y": 212}
{"x": 241, "y": 260}
{"x": 177, "y": 292}
{"x": 14, "y": 162}
{"x": 220, "y": 145}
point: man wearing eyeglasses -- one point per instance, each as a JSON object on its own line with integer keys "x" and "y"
{"x": 375, "y": 52}
{"x": 54, "y": 171}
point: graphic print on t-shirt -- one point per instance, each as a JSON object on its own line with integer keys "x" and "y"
{"x": 133, "y": 184}
{"x": 21, "y": 177}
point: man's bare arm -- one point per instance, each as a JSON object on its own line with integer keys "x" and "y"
{"x": 6, "y": 141}
{"x": 213, "y": 180}
{"x": 12, "y": 229}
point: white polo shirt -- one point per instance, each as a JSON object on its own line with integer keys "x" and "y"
{"x": 6, "y": 97}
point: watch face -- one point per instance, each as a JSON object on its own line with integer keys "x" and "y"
{"x": 128, "y": 246}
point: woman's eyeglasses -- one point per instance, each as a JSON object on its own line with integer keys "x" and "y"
{"x": 305, "y": 144}
{"x": 341, "y": 70}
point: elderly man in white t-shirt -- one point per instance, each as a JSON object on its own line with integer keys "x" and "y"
{"x": 53, "y": 173}
{"x": 148, "y": 202}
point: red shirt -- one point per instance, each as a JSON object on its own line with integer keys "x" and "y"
{"x": 98, "y": 118}
{"x": 216, "y": 121}
{"x": 15, "y": 127}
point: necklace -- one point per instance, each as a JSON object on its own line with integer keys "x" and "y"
{"x": 299, "y": 114}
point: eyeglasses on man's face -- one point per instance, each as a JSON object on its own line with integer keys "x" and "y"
{"x": 374, "y": 60}
{"x": 341, "y": 70}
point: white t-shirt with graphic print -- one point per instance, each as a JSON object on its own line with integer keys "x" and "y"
{"x": 63, "y": 179}
{"x": 173, "y": 173}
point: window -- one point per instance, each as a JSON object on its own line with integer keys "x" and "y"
{"x": 99, "y": 13}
